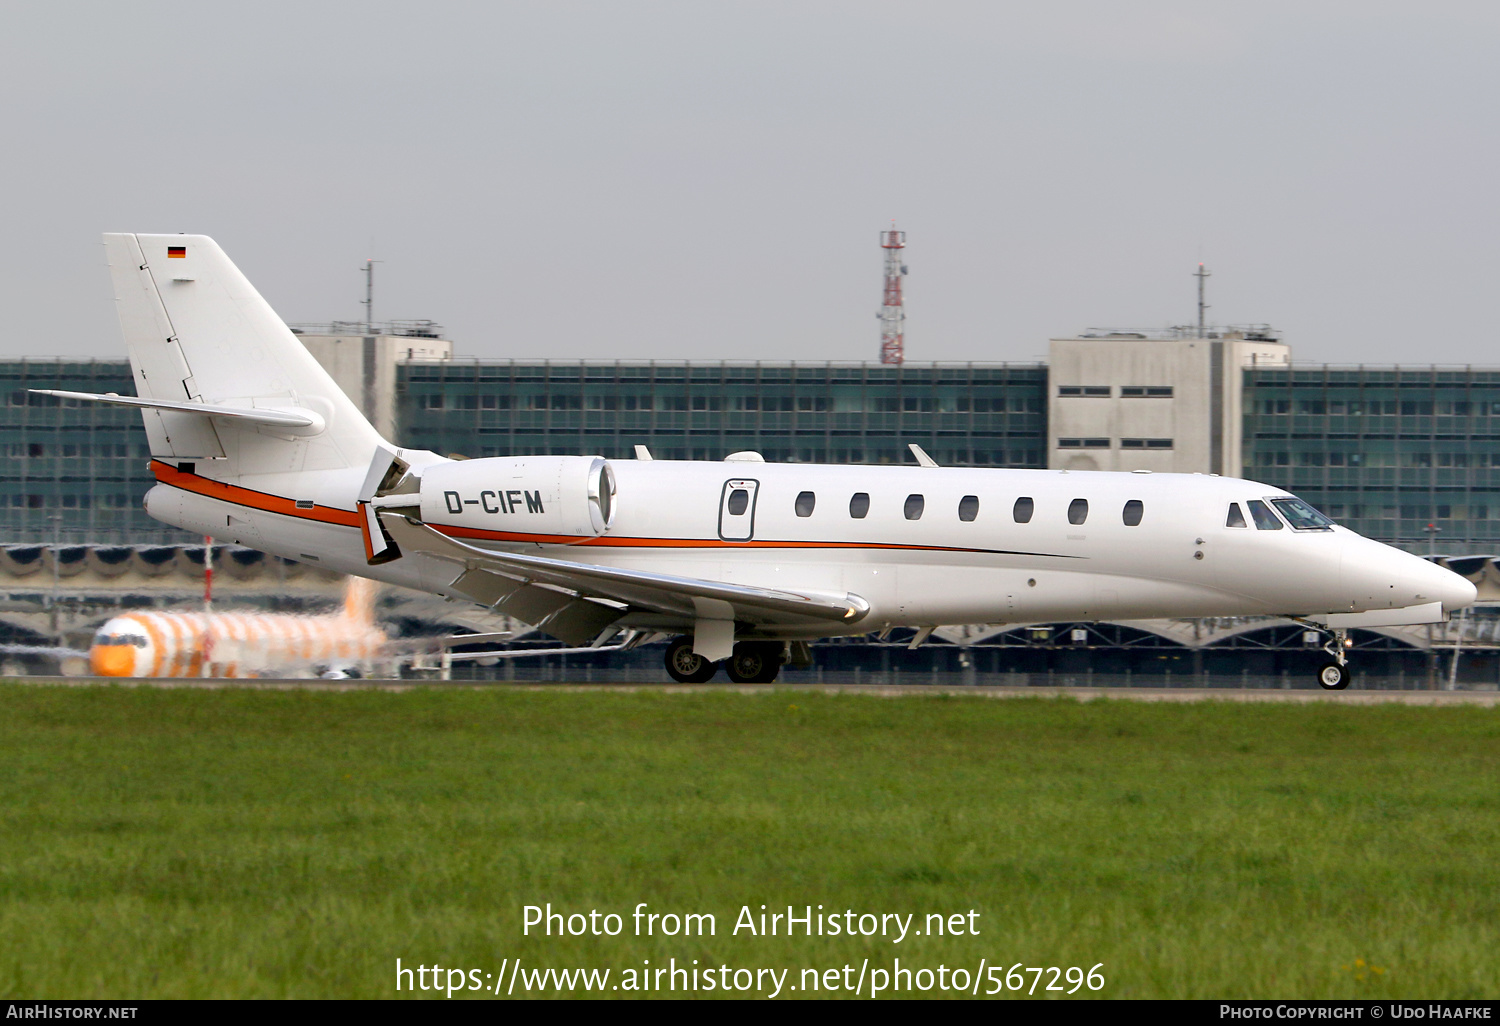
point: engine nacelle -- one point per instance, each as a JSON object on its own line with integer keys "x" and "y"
{"x": 555, "y": 500}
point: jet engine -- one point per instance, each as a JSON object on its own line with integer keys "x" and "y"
{"x": 555, "y": 500}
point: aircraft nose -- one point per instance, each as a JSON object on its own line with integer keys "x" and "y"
{"x": 112, "y": 660}
{"x": 1435, "y": 583}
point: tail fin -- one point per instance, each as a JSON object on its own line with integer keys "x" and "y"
{"x": 198, "y": 332}
{"x": 359, "y": 600}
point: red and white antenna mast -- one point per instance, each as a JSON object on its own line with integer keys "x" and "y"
{"x": 892, "y": 312}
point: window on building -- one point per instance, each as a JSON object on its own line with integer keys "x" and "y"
{"x": 1083, "y": 443}
{"x": 1235, "y": 518}
{"x": 1134, "y": 510}
{"x": 968, "y": 508}
{"x": 1023, "y": 510}
{"x": 859, "y": 505}
{"x": 805, "y": 503}
{"x": 1145, "y": 443}
{"x": 1092, "y": 391}
{"x": 1146, "y": 392}
{"x": 1264, "y": 519}
{"x": 1078, "y": 511}
{"x": 913, "y": 507}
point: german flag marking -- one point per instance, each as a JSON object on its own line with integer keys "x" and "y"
{"x": 176, "y": 251}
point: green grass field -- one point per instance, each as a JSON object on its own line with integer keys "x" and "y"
{"x": 253, "y": 843}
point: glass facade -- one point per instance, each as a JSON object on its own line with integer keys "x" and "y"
{"x": 73, "y": 471}
{"x": 1406, "y": 455}
{"x": 1387, "y": 451}
{"x": 962, "y": 414}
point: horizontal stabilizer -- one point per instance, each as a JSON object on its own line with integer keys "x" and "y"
{"x": 272, "y": 418}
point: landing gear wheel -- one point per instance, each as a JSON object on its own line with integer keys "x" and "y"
{"x": 1333, "y": 677}
{"x": 686, "y": 666}
{"x": 755, "y": 662}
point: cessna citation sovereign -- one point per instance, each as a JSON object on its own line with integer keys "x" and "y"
{"x": 742, "y": 562}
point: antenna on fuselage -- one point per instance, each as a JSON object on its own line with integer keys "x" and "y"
{"x": 923, "y": 460}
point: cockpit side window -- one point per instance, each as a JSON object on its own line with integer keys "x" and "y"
{"x": 1264, "y": 519}
{"x": 1235, "y": 518}
{"x": 1301, "y": 516}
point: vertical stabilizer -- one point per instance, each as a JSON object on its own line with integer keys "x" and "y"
{"x": 198, "y": 331}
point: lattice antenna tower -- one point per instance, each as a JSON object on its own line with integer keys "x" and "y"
{"x": 892, "y": 311}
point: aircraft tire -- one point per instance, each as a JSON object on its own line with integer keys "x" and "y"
{"x": 755, "y": 662}
{"x": 1333, "y": 677}
{"x": 686, "y": 666}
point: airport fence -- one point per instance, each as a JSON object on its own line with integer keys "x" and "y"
{"x": 558, "y": 670}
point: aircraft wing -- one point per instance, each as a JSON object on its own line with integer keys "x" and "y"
{"x": 576, "y": 601}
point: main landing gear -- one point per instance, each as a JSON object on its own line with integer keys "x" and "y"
{"x": 753, "y": 662}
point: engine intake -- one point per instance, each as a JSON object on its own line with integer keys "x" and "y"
{"x": 555, "y": 500}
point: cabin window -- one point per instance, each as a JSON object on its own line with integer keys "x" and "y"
{"x": 739, "y": 501}
{"x": 1303, "y": 517}
{"x": 1264, "y": 519}
{"x": 1235, "y": 518}
{"x": 1133, "y": 512}
{"x": 913, "y": 507}
{"x": 1078, "y": 511}
{"x": 859, "y": 505}
{"x": 1023, "y": 510}
{"x": 805, "y": 503}
{"x": 968, "y": 508}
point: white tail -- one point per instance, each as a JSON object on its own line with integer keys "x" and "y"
{"x": 199, "y": 333}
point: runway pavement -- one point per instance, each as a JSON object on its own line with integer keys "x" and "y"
{"x": 1082, "y": 694}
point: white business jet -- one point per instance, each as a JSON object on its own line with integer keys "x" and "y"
{"x": 742, "y": 562}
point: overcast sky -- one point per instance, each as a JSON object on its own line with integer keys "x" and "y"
{"x": 707, "y": 179}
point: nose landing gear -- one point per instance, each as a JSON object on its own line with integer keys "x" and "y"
{"x": 1334, "y": 674}
{"x": 1333, "y": 677}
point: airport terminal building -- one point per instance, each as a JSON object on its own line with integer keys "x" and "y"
{"x": 1408, "y": 455}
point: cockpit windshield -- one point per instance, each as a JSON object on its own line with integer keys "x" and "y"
{"x": 1301, "y": 516}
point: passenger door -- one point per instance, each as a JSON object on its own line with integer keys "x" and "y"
{"x": 737, "y": 510}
